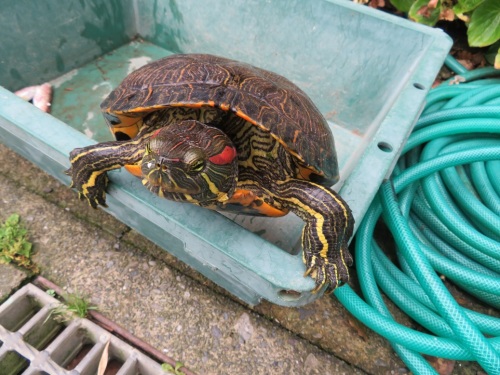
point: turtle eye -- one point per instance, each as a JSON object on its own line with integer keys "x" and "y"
{"x": 111, "y": 118}
{"x": 161, "y": 166}
{"x": 194, "y": 160}
{"x": 197, "y": 165}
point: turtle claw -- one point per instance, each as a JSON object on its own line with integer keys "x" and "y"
{"x": 332, "y": 270}
{"x": 317, "y": 289}
{"x": 93, "y": 202}
{"x": 91, "y": 186}
{"x": 308, "y": 271}
{"x": 95, "y": 193}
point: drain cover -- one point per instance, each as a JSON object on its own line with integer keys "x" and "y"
{"x": 32, "y": 343}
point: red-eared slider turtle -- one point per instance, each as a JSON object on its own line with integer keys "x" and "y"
{"x": 227, "y": 136}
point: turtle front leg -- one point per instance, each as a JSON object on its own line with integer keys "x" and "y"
{"x": 90, "y": 164}
{"x": 328, "y": 227}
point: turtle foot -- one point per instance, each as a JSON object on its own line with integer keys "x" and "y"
{"x": 91, "y": 186}
{"x": 332, "y": 270}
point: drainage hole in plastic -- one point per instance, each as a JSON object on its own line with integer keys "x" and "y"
{"x": 384, "y": 146}
{"x": 289, "y": 295}
{"x": 419, "y": 86}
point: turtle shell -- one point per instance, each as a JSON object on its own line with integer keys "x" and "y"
{"x": 261, "y": 97}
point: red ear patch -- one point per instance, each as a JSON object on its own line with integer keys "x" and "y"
{"x": 225, "y": 157}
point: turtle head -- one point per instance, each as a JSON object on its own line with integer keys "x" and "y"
{"x": 193, "y": 159}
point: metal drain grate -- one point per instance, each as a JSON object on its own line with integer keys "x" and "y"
{"x": 32, "y": 343}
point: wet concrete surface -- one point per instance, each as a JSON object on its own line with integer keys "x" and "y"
{"x": 11, "y": 278}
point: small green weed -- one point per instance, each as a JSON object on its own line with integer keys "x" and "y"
{"x": 173, "y": 370}
{"x": 75, "y": 305}
{"x": 14, "y": 245}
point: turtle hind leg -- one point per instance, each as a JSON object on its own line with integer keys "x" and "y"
{"x": 328, "y": 227}
{"x": 90, "y": 164}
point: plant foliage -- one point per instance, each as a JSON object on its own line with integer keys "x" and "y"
{"x": 75, "y": 306}
{"x": 173, "y": 370}
{"x": 14, "y": 245}
{"x": 484, "y": 25}
{"x": 425, "y": 11}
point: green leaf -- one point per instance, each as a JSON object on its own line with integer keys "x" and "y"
{"x": 491, "y": 53}
{"x": 402, "y": 5}
{"x": 12, "y": 220}
{"x": 4, "y": 259}
{"x": 484, "y": 26}
{"x": 14, "y": 244}
{"x": 25, "y": 249}
{"x": 174, "y": 370}
{"x": 464, "y": 6}
{"x": 167, "y": 367}
{"x": 420, "y": 12}
{"x": 178, "y": 366}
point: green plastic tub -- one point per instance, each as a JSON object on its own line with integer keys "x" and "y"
{"x": 367, "y": 71}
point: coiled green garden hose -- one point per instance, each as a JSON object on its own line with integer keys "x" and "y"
{"x": 442, "y": 206}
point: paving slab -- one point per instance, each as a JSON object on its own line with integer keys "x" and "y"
{"x": 11, "y": 279}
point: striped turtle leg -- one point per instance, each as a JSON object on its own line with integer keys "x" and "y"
{"x": 328, "y": 228}
{"x": 90, "y": 164}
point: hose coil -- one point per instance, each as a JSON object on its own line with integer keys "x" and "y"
{"x": 442, "y": 206}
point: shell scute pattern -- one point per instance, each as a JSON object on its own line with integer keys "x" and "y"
{"x": 267, "y": 99}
